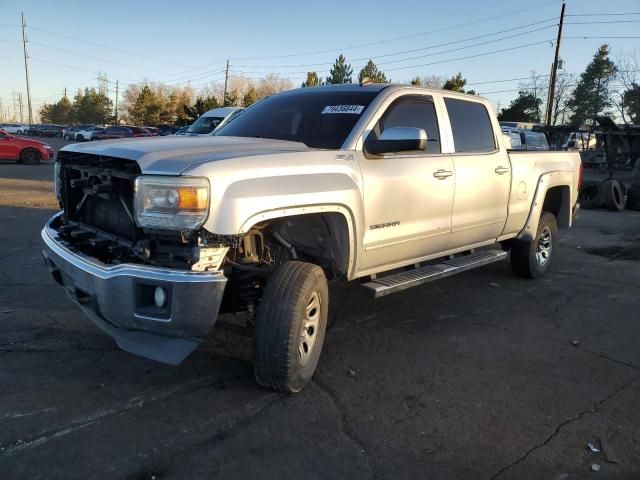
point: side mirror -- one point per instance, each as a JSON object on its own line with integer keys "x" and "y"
{"x": 397, "y": 139}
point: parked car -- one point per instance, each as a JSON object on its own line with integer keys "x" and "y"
{"x": 154, "y": 131}
{"x": 181, "y": 130}
{"x": 87, "y": 134}
{"x": 167, "y": 130}
{"x": 23, "y": 150}
{"x": 125, "y": 131}
{"x": 14, "y": 128}
{"x": 34, "y": 129}
{"x": 51, "y": 131}
{"x": 211, "y": 120}
{"x": 393, "y": 184}
{"x": 528, "y": 139}
{"x": 71, "y": 131}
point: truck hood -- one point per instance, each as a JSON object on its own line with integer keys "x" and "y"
{"x": 172, "y": 155}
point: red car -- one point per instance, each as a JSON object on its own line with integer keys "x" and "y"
{"x": 23, "y": 150}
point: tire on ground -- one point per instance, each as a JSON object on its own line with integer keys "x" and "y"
{"x": 526, "y": 255}
{"x": 30, "y": 156}
{"x": 295, "y": 303}
{"x": 613, "y": 195}
{"x": 590, "y": 195}
{"x": 633, "y": 198}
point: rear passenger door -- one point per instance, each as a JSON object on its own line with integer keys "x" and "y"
{"x": 483, "y": 175}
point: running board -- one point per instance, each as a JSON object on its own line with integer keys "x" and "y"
{"x": 382, "y": 286}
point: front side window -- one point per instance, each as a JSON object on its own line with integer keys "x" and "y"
{"x": 415, "y": 111}
{"x": 318, "y": 118}
{"x": 205, "y": 125}
{"x": 470, "y": 125}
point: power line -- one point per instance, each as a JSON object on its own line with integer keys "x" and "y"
{"x": 425, "y": 48}
{"x": 603, "y": 21}
{"x": 89, "y": 42}
{"x": 379, "y": 42}
{"x": 601, "y": 14}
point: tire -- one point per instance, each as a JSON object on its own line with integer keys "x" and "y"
{"x": 532, "y": 259}
{"x": 19, "y": 132}
{"x": 295, "y": 302}
{"x": 80, "y": 138}
{"x": 614, "y": 195}
{"x": 30, "y": 156}
{"x": 67, "y": 137}
{"x": 633, "y": 199}
{"x": 591, "y": 196}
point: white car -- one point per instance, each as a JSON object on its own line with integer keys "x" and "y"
{"x": 87, "y": 134}
{"x": 211, "y": 120}
{"x": 14, "y": 128}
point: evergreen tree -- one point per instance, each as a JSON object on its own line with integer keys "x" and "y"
{"x": 250, "y": 97}
{"x": 631, "y": 102}
{"x": 455, "y": 83}
{"x": 91, "y": 106}
{"x": 60, "y": 112}
{"x": 147, "y": 108}
{"x": 312, "y": 80}
{"x": 371, "y": 72}
{"x": 525, "y": 108}
{"x": 592, "y": 95}
{"x": 199, "y": 107}
{"x": 340, "y": 72}
{"x": 416, "y": 82}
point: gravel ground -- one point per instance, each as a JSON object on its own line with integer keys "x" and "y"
{"x": 478, "y": 376}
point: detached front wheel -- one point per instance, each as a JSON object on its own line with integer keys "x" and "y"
{"x": 290, "y": 326}
{"x": 532, "y": 259}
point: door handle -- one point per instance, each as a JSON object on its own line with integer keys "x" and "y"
{"x": 442, "y": 174}
{"x": 501, "y": 170}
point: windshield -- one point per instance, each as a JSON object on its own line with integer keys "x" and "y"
{"x": 319, "y": 119}
{"x": 205, "y": 125}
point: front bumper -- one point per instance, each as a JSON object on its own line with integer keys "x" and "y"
{"x": 119, "y": 299}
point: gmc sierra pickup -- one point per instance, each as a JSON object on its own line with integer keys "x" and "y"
{"x": 392, "y": 184}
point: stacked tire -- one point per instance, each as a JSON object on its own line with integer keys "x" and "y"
{"x": 633, "y": 194}
{"x": 610, "y": 193}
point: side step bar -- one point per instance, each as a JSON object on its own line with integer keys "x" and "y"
{"x": 400, "y": 281}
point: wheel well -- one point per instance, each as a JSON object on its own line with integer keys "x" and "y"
{"x": 321, "y": 238}
{"x": 558, "y": 202}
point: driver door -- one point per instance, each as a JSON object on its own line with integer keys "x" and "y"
{"x": 408, "y": 196}
{"x": 8, "y": 147}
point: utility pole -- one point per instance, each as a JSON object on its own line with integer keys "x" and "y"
{"x": 26, "y": 68}
{"x": 226, "y": 79}
{"x": 554, "y": 69}
{"x": 15, "y": 106}
{"x": 116, "y": 115}
{"x": 20, "y": 103}
{"x": 65, "y": 92}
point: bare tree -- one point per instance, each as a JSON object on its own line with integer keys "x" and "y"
{"x": 429, "y": 81}
{"x": 564, "y": 89}
{"x": 537, "y": 86}
{"x": 628, "y": 74}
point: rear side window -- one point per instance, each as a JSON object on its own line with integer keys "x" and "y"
{"x": 415, "y": 111}
{"x": 471, "y": 126}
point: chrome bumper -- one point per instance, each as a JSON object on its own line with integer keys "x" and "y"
{"x": 120, "y": 299}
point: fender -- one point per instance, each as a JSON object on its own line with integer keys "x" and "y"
{"x": 307, "y": 209}
{"x": 547, "y": 181}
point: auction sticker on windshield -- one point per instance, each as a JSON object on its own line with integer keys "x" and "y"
{"x": 354, "y": 109}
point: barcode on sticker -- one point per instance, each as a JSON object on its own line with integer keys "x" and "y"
{"x": 354, "y": 109}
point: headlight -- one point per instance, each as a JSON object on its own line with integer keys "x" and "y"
{"x": 56, "y": 179}
{"x": 171, "y": 203}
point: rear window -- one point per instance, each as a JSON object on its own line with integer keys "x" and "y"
{"x": 471, "y": 126}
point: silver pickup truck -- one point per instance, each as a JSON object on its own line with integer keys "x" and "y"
{"x": 392, "y": 184}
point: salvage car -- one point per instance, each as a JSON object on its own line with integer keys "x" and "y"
{"x": 23, "y": 150}
{"x": 394, "y": 185}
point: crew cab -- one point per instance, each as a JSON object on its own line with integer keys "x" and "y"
{"x": 389, "y": 185}
{"x": 23, "y": 150}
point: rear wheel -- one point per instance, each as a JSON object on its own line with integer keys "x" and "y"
{"x": 30, "y": 156}
{"x": 532, "y": 259}
{"x": 67, "y": 137}
{"x": 19, "y": 132}
{"x": 290, "y": 325}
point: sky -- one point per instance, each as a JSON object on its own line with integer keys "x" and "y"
{"x": 71, "y": 41}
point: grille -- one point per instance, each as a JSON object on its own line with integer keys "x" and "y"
{"x": 98, "y": 192}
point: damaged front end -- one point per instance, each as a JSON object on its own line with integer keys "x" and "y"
{"x": 157, "y": 291}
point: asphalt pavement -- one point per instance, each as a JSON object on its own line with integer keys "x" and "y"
{"x": 479, "y": 376}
